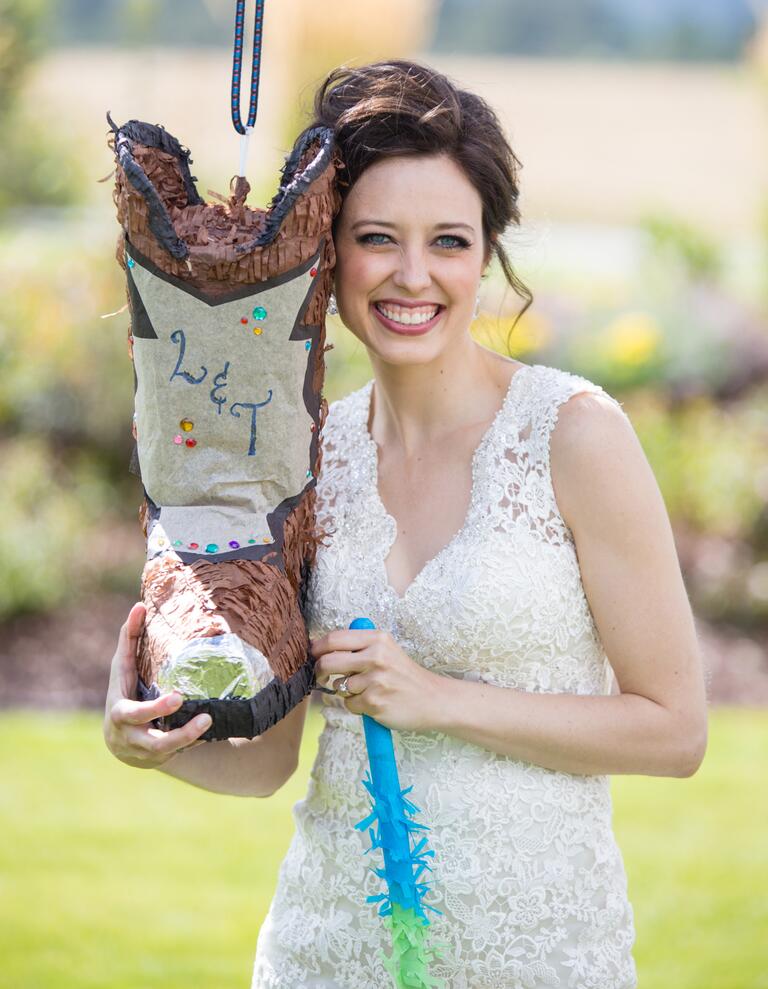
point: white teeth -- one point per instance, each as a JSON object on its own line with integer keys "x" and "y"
{"x": 408, "y": 316}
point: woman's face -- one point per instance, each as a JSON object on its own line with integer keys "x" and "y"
{"x": 410, "y": 252}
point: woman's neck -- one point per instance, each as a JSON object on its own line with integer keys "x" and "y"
{"x": 417, "y": 404}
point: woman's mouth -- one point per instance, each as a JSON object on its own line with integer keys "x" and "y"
{"x": 408, "y": 320}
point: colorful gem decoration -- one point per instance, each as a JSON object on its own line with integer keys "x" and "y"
{"x": 177, "y": 542}
{"x": 257, "y": 331}
{"x": 244, "y": 320}
{"x": 251, "y": 540}
{"x": 191, "y": 443}
{"x": 211, "y": 548}
{"x": 309, "y": 473}
{"x": 312, "y": 428}
{"x": 187, "y": 425}
{"x": 194, "y": 545}
{"x": 131, "y": 263}
{"x": 313, "y": 272}
{"x": 260, "y": 313}
{"x": 267, "y": 539}
{"x": 308, "y": 345}
{"x": 178, "y": 440}
{"x": 234, "y": 544}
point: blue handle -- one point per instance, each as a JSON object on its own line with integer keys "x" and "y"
{"x": 404, "y": 862}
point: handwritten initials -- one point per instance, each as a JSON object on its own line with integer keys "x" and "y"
{"x": 219, "y": 382}
{"x": 178, "y": 337}
{"x": 253, "y": 406}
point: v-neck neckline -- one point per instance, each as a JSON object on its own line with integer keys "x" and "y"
{"x": 372, "y": 453}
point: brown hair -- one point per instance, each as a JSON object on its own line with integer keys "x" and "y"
{"x": 393, "y": 108}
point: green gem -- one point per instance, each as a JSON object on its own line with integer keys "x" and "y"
{"x": 177, "y": 542}
{"x": 259, "y": 313}
{"x": 251, "y": 540}
{"x": 211, "y": 548}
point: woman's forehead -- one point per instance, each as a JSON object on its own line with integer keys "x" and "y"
{"x": 419, "y": 188}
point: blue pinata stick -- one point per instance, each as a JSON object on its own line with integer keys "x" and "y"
{"x": 405, "y": 858}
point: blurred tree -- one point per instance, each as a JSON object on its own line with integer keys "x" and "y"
{"x": 33, "y": 169}
{"x": 676, "y": 29}
{"x": 698, "y": 255}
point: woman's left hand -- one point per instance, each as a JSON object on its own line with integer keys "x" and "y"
{"x": 386, "y": 683}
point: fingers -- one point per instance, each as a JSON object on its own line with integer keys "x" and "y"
{"x": 131, "y": 741}
{"x": 337, "y": 664}
{"x": 130, "y": 712}
{"x": 355, "y": 684}
{"x": 168, "y": 742}
{"x": 346, "y": 639}
{"x": 130, "y": 633}
{"x": 122, "y": 678}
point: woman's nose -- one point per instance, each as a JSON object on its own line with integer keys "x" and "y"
{"x": 413, "y": 273}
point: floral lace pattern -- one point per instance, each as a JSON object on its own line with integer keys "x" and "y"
{"x": 527, "y": 873}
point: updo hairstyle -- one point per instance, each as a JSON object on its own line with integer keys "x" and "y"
{"x": 395, "y": 108}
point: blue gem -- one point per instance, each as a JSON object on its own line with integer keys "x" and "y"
{"x": 259, "y": 313}
{"x": 131, "y": 263}
{"x": 308, "y": 345}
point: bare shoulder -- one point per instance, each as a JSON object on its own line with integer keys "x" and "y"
{"x": 598, "y": 465}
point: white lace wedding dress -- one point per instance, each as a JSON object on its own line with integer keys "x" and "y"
{"x": 527, "y": 872}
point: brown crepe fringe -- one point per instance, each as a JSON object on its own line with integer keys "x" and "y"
{"x": 253, "y": 599}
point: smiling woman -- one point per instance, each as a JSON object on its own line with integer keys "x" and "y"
{"x": 500, "y": 525}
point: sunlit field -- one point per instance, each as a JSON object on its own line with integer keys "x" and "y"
{"x": 117, "y": 878}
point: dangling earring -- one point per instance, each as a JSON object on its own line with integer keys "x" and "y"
{"x": 476, "y": 313}
{"x": 333, "y": 309}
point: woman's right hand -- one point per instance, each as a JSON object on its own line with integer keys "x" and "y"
{"x": 128, "y": 732}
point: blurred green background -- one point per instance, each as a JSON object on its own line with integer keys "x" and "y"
{"x": 642, "y": 127}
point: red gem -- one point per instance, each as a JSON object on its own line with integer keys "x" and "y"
{"x": 313, "y": 427}
{"x": 313, "y": 272}
{"x": 244, "y": 320}
{"x": 194, "y": 546}
{"x": 191, "y": 443}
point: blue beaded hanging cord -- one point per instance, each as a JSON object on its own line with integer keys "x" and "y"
{"x": 237, "y": 67}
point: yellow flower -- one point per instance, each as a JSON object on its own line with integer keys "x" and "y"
{"x": 531, "y": 333}
{"x": 632, "y": 338}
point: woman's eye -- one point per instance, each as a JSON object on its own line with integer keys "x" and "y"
{"x": 452, "y": 241}
{"x": 374, "y": 239}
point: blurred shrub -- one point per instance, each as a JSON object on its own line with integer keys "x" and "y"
{"x": 37, "y": 167}
{"x": 65, "y": 372}
{"x": 66, "y": 401}
{"x": 56, "y": 529}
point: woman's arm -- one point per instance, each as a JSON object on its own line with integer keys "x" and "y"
{"x": 244, "y": 767}
{"x": 657, "y": 725}
{"x": 239, "y": 766}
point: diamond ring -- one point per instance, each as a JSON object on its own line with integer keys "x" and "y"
{"x": 341, "y": 687}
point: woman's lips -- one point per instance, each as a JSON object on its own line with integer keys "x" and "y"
{"x": 403, "y": 329}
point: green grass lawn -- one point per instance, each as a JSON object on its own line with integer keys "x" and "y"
{"x": 118, "y": 878}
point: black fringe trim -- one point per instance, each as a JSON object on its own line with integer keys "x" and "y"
{"x": 293, "y": 185}
{"x": 240, "y": 717}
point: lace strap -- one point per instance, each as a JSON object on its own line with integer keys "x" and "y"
{"x": 551, "y": 390}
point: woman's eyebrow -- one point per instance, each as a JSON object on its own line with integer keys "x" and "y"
{"x": 437, "y": 226}
{"x": 378, "y": 223}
